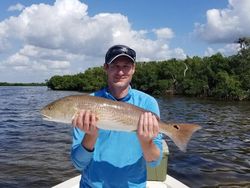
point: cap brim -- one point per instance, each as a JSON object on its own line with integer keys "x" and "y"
{"x": 119, "y": 55}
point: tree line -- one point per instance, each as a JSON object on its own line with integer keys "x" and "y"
{"x": 215, "y": 76}
{"x": 22, "y": 84}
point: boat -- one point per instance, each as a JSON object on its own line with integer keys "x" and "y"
{"x": 156, "y": 177}
{"x": 170, "y": 182}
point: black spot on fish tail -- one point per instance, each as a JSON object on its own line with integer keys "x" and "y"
{"x": 176, "y": 127}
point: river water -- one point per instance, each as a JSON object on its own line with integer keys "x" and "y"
{"x": 35, "y": 153}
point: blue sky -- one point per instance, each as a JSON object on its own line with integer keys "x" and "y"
{"x": 39, "y": 39}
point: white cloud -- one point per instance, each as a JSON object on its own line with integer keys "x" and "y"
{"x": 18, "y": 60}
{"x": 227, "y": 50}
{"x": 226, "y": 25}
{"x": 210, "y": 51}
{"x": 164, "y": 33}
{"x": 58, "y": 64}
{"x": 63, "y": 38}
{"x": 4, "y": 43}
{"x": 16, "y": 7}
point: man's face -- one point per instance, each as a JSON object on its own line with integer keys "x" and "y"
{"x": 120, "y": 72}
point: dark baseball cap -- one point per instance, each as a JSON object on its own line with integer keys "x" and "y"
{"x": 118, "y": 51}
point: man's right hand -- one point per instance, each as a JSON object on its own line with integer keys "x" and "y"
{"x": 86, "y": 121}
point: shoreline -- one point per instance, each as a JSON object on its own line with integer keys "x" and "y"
{"x": 22, "y": 84}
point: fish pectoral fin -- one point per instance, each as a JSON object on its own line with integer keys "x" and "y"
{"x": 75, "y": 114}
{"x": 96, "y": 118}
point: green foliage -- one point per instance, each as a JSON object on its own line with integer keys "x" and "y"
{"x": 215, "y": 76}
{"x": 22, "y": 84}
{"x": 228, "y": 87}
{"x": 146, "y": 76}
{"x": 91, "y": 80}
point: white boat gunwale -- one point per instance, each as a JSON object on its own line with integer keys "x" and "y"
{"x": 170, "y": 182}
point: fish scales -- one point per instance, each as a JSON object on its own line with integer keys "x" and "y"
{"x": 107, "y": 110}
{"x": 113, "y": 115}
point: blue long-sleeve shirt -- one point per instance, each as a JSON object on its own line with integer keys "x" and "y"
{"x": 117, "y": 160}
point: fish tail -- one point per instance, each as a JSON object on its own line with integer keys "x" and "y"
{"x": 180, "y": 134}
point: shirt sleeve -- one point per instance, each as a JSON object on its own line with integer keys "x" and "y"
{"x": 158, "y": 142}
{"x": 153, "y": 106}
{"x": 79, "y": 155}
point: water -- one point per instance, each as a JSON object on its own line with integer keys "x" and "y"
{"x": 35, "y": 153}
{"x": 219, "y": 154}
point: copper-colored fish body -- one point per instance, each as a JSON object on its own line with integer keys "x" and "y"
{"x": 113, "y": 115}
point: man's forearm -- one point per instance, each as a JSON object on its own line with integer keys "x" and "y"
{"x": 89, "y": 141}
{"x": 150, "y": 151}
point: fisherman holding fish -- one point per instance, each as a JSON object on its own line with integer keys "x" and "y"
{"x": 109, "y": 158}
{"x": 116, "y": 129}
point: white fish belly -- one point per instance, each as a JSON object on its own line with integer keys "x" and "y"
{"x": 115, "y": 126}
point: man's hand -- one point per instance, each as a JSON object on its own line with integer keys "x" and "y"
{"x": 147, "y": 130}
{"x": 86, "y": 121}
{"x": 148, "y": 127}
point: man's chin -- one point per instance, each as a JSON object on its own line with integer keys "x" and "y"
{"x": 120, "y": 84}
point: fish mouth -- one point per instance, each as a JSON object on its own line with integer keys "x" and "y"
{"x": 45, "y": 117}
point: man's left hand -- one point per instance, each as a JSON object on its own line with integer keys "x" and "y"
{"x": 148, "y": 127}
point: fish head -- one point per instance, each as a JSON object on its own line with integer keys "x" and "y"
{"x": 61, "y": 110}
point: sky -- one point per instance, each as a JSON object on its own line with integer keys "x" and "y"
{"x": 42, "y": 38}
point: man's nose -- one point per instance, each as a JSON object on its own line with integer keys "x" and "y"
{"x": 120, "y": 71}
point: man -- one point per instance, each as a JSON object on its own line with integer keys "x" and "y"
{"x": 113, "y": 158}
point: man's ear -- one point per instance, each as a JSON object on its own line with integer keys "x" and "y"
{"x": 105, "y": 67}
{"x": 134, "y": 68}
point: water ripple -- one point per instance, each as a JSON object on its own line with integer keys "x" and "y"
{"x": 218, "y": 154}
{"x": 35, "y": 153}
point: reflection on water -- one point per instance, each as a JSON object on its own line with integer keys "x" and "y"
{"x": 35, "y": 153}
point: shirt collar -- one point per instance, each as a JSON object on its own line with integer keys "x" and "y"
{"x": 124, "y": 99}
